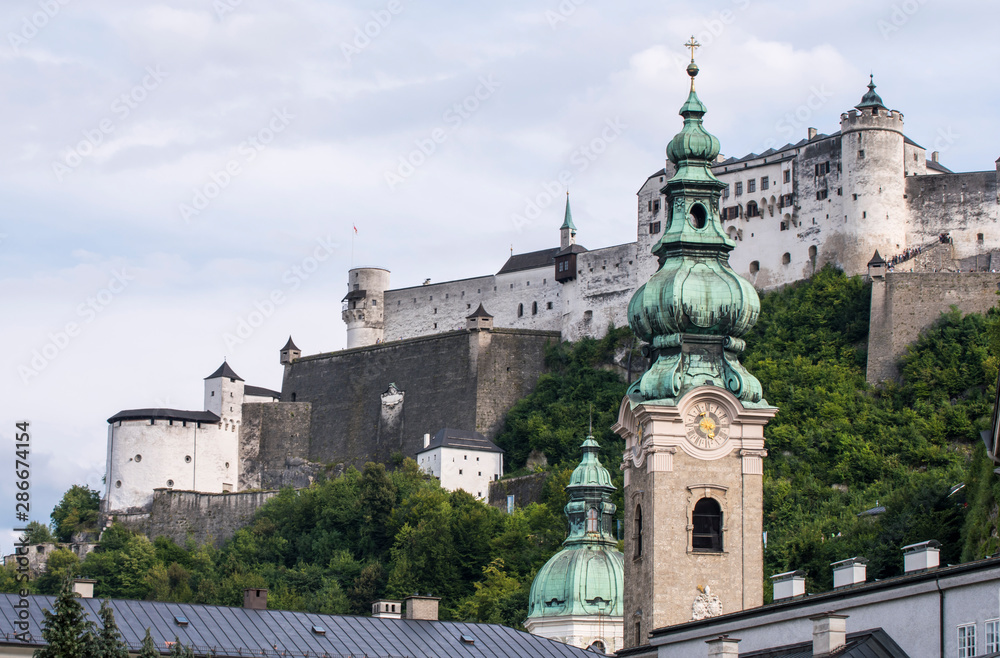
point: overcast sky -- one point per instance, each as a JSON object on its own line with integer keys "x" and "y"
{"x": 170, "y": 166}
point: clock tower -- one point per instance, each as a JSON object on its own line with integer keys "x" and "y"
{"x": 693, "y": 423}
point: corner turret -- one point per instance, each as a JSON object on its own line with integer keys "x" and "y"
{"x": 363, "y": 306}
{"x": 289, "y": 352}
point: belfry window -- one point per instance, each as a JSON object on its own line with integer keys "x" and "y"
{"x": 520, "y": 310}
{"x": 706, "y": 522}
{"x": 592, "y": 519}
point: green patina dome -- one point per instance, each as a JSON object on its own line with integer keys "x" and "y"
{"x": 694, "y": 310}
{"x": 587, "y": 576}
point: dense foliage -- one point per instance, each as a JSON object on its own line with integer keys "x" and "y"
{"x": 840, "y": 450}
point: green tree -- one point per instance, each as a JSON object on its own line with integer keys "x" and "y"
{"x": 37, "y": 532}
{"x": 378, "y": 496}
{"x": 65, "y": 630}
{"x": 148, "y": 649}
{"x": 61, "y": 565}
{"x": 76, "y": 512}
{"x": 120, "y": 564}
{"x": 109, "y": 642}
{"x": 491, "y": 603}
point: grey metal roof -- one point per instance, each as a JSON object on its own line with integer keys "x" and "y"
{"x": 874, "y": 643}
{"x": 937, "y": 166}
{"x": 290, "y": 345}
{"x": 479, "y": 313}
{"x": 260, "y": 391}
{"x": 465, "y": 439}
{"x": 529, "y": 261}
{"x": 224, "y": 371}
{"x": 241, "y": 632}
{"x": 165, "y": 414}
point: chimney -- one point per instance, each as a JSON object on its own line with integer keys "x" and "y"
{"x": 849, "y": 572}
{"x": 829, "y": 633}
{"x": 387, "y": 609}
{"x": 427, "y": 440}
{"x": 84, "y": 588}
{"x": 255, "y": 598}
{"x": 922, "y": 556}
{"x": 812, "y": 133}
{"x": 422, "y": 607}
{"x": 723, "y": 647}
{"x": 788, "y": 585}
{"x": 934, "y": 156}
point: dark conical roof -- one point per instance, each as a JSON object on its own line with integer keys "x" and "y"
{"x": 290, "y": 346}
{"x": 224, "y": 371}
{"x": 871, "y": 99}
{"x": 876, "y": 259}
{"x": 479, "y": 313}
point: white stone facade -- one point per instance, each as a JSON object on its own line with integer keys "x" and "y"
{"x": 826, "y": 199}
{"x": 461, "y": 463}
{"x": 602, "y": 634}
{"x": 184, "y": 450}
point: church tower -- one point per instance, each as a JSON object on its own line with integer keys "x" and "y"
{"x": 693, "y": 424}
{"x": 567, "y": 232}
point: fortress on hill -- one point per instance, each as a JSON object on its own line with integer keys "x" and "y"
{"x": 459, "y": 354}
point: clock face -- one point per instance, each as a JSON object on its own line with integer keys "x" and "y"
{"x": 707, "y": 425}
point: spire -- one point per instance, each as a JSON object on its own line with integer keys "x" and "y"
{"x": 568, "y": 218}
{"x": 567, "y": 232}
{"x": 589, "y": 492}
{"x": 695, "y": 308}
{"x": 224, "y": 371}
{"x": 290, "y": 345}
{"x": 871, "y": 99}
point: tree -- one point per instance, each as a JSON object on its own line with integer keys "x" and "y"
{"x": 38, "y": 533}
{"x": 109, "y": 642}
{"x": 149, "y": 649}
{"x": 178, "y": 650}
{"x": 62, "y": 564}
{"x": 76, "y": 512}
{"x": 66, "y": 630}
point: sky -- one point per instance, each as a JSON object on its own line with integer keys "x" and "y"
{"x": 190, "y": 181}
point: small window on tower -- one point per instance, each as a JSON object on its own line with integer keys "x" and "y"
{"x": 637, "y": 532}
{"x": 706, "y": 522}
{"x": 592, "y": 519}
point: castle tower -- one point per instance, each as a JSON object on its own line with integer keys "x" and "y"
{"x": 693, "y": 424}
{"x": 874, "y": 181}
{"x": 224, "y": 393}
{"x": 576, "y": 598}
{"x": 363, "y": 309}
{"x": 289, "y": 352}
{"x": 567, "y": 232}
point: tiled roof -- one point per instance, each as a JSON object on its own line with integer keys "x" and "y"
{"x": 465, "y": 439}
{"x": 165, "y": 414}
{"x": 224, "y": 371}
{"x": 937, "y": 166}
{"x": 529, "y": 261}
{"x": 260, "y": 392}
{"x": 243, "y": 632}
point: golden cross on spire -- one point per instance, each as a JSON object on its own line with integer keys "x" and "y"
{"x": 692, "y": 44}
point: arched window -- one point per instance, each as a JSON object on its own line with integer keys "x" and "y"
{"x": 592, "y": 519}
{"x": 596, "y": 646}
{"x": 786, "y": 258}
{"x": 812, "y": 252}
{"x": 520, "y": 310}
{"x": 534, "y": 308}
{"x": 637, "y": 531}
{"x": 706, "y": 523}
{"x": 752, "y": 209}
{"x": 754, "y": 266}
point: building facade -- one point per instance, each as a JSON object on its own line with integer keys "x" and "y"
{"x": 462, "y": 459}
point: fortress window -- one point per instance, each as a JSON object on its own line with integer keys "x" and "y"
{"x": 654, "y": 228}
{"x": 822, "y": 194}
{"x": 788, "y": 175}
{"x": 752, "y": 185}
{"x": 374, "y": 302}
{"x": 172, "y": 422}
{"x": 170, "y": 483}
{"x": 213, "y": 394}
{"x": 293, "y": 396}
{"x": 446, "y": 295}
{"x": 786, "y": 258}
{"x": 752, "y": 209}
{"x": 520, "y": 310}
{"x": 706, "y": 522}
{"x": 435, "y": 325}
{"x": 914, "y": 157}
{"x": 765, "y": 182}
{"x": 548, "y": 305}
{"x": 528, "y": 283}
{"x": 656, "y": 206}
{"x": 739, "y": 188}
{"x": 534, "y": 308}
{"x": 479, "y": 291}
{"x": 637, "y": 537}
{"x": 649, "y": 206}
{"x": 459, "y": 471}
{"x": 435, "y": 311}
{"x": 356, "y": 285}
{"x": 979, "y": 238}
{"x": 118, "y": 484}
{"x": 754, "y": 266}
{"x": 187, "y": 459}
{"x": 840, "y": 191}
{"x": 861, "y": 154}
{"x": 588, "y": 316}
{"x": 725, "y": 192}
{"x": 864, "y": 214}
{"x": 812, "y": 252}
{"x": 138, "y": 458}
{"x": 784, "y": 226}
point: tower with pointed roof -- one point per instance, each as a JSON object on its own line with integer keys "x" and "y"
{"x": 693, "y": 422}
{"x": 567, "y": 232}
{"x": 874, "y": 171}
{"x": 577, "y": 596}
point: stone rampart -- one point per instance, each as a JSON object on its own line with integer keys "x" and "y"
{"x": 274, "y": 441}
{"x": 905, "y": 303}
{"x": 526, "y": 489}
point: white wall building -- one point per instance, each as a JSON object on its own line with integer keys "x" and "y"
{"x": 188, "y": 450}
{"x": 462, "y": 460}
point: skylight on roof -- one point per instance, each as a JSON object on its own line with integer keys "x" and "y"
{"x": 180, "y": 621}
{"x": 468, "y": 639}
{"x": 319, "y": 630}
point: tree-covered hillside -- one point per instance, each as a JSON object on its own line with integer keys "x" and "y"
{"x": 838, "y": 448}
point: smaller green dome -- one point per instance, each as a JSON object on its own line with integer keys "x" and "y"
{"x": 590, "y": 472}
{"x": 871, "y": 99}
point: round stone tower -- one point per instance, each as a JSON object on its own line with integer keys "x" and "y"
{"x": 576, "y": 597}
{"x": 363, "y": 305}
{"x": 873, "y": 182}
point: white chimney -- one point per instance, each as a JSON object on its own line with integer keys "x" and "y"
{"x": 387, "y": 609}
{"x": 427, "y": 440}
{"x": 829, "y": 633}
{"x": 84, "y": 588}
{"x": 853, "y": 571}
{"x": 723, "y": 647}
{"x": 789, "y": 584}
{"x": 922, "y": 556}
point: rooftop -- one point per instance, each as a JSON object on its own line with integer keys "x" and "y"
{"x": 165, "y": 414}
{"x": 225, "y": 371}
{"x": 529, "y": 261}
{"x": 463, "y": 439}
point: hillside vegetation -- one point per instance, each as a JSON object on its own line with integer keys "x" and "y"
{"x": 838, "y": 448}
